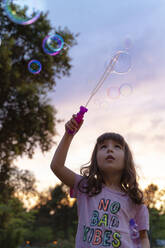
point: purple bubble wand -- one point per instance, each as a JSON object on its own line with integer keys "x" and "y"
{"x": 108, "y": 70}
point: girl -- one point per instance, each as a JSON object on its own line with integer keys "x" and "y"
{"x": 107, "y": 193}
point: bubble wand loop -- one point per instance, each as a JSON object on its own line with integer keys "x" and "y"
{"x": 83, "y": 110}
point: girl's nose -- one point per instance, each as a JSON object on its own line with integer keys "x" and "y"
{"x": 110, "y": 149}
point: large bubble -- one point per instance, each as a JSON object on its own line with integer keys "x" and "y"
{"x": 14, "y": 10}
{"x": 53, "y": 44}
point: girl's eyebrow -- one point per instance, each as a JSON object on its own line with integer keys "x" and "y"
{"x": 101, "y": 143}
{"x": 105, "y": 141}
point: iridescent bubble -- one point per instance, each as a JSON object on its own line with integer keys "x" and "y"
{"x": 13, "y": 9}
{"x": 52, "y": 44}
{"x": 125, "y": 90}
{"x": 55, "y": 43}
{"x": 34, "y": 66}
{"x": 113, "y": 92}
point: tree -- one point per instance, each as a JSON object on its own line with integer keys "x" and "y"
{"x": 27, "y": 120}
{"x": 55, "y": 211}
{"x": 157, "y": 216}
{"x": 26, "y": 117}
{"x": 14, "y": 223}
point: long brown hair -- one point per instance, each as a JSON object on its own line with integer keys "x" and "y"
{"x": 94, "y": 179}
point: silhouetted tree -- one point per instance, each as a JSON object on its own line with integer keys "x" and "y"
{"x": 27, "y": 120}
{"x": 157, "y": 216}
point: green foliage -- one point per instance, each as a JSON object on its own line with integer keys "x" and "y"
{"x": 43, "y": 234}
{"x": 157, "y": 225}
{"x": 14, "y": 223}
{"x": 57, "y": 214}
{"x": 157, "y": 216}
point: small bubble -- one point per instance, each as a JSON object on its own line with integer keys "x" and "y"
{"x": 34, "y": 66}
{"x": 125, "y": 89}
{"x": 113, "y": 92}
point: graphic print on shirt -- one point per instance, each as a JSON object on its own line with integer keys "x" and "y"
{"x": 100, "y": 231}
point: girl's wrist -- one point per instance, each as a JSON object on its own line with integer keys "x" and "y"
{"x": 68, "y": 135}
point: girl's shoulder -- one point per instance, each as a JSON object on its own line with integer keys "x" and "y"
{"x": 80, "y": 181}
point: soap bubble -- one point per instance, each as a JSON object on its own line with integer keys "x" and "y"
{"x": 125, "y": 89}
{"x": 52, "y": 44}
{"x": 34, "y": 66}
{"x": 113, "y": 92}
{"x": 13, "y": 9}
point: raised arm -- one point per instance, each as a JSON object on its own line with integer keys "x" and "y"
{"x": 58, "y": 167}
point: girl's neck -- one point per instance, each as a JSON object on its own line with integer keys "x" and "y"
{"x": 114, "y": 187}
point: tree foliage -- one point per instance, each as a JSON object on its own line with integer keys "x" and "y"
{"x": 27, "y": 119}
{"x": 57, "y": 213}
{"x": 152, "y": 196}
{"x": 14, "y": 223}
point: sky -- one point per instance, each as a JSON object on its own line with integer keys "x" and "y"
{"x": 104, "y": 28}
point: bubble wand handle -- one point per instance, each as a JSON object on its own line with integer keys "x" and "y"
{"x": 79, "y": 117}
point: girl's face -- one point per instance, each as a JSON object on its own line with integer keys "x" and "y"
{"x": 104, "y": 152}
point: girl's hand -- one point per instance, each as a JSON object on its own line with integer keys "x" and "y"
{"x": 73, "y": 125}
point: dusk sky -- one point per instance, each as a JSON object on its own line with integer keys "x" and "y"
{"x": 133, "y": 26}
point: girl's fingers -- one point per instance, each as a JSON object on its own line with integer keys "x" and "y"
{"x": 74, "y": 122}
{"x": 73, "y": 125}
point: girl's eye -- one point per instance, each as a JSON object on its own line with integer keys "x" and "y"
{"x": 115, "y": 146}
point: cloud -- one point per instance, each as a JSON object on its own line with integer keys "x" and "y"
{"x": 156, "y": 122}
